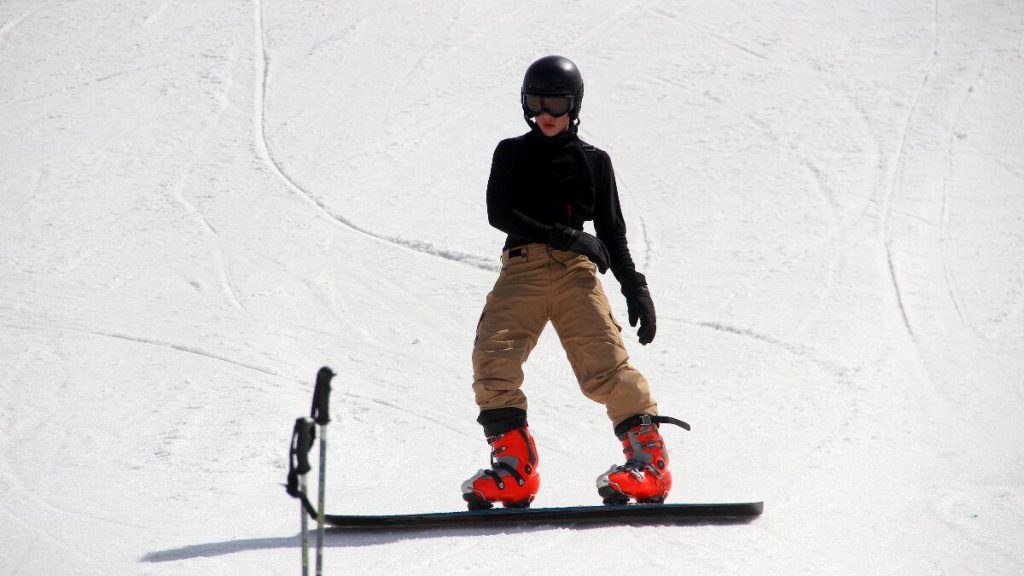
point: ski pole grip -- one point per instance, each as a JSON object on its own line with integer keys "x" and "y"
{"x": 298, "y": 462}
{"x": 320, "y": 413}
{"x": 302, "y": 441}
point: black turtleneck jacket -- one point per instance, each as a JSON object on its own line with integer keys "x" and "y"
{"x": 537, "y": 182}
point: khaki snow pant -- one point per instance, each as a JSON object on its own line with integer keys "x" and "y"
{"x": 537, "y": 284}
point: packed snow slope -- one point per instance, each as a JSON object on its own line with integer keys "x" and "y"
{"x": 201, "y": 203}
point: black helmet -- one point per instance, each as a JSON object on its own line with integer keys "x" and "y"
{"x": 553, "y": 76}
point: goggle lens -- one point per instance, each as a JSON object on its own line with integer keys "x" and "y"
{"x": 554, "y": 105}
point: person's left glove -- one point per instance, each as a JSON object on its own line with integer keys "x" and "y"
{"x": 640, "y": 307}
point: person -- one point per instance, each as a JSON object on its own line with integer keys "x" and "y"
{"x": 542, "y": 187}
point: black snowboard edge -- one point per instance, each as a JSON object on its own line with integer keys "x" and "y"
{"x": 636, "y": 514}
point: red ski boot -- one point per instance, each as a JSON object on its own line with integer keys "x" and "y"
{"x": 645, "y": 476}
{"x": 512, "y": 478}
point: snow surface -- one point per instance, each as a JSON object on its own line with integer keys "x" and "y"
{"x": 201, "y": 203}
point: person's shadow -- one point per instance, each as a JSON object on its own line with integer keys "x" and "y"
{"x": 350, "y": 539}
{"x": 332, "y": 539}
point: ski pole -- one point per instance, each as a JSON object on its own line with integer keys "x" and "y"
{"x": 320, "y": 413}
{"x": 298, "y": 467}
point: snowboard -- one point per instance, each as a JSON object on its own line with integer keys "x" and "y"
{"x": 304, "y": 433}
{"x": 629, "y": 514}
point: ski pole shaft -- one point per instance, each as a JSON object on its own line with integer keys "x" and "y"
{"x": 320, "y": 505}
{"x": 320, "y": 413}
{"x": 304, "y": 529}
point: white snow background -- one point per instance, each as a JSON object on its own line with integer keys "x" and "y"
{"x": 203, "y": 202}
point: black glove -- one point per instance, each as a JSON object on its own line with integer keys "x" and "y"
{"x": 566, "y": 238}
{"x": 641, "y": 307}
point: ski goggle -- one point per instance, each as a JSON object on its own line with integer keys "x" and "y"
{"x": 557, "y": 106}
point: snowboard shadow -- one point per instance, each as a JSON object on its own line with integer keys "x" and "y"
{"x": 334, "y": 538}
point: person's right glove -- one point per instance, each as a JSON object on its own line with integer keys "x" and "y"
{"x": 566, "y": 238}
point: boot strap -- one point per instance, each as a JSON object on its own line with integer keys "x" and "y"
{"x": 496, "y": 477}
{"x": 646, "y": 420}
{"x": 668, "y": 420}
{"x": 511, "y": 471}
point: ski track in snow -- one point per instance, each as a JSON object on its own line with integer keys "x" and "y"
{"x": 13, "y": 23}
{"x": 10, "y": 25}
{"x": 340, "y": 37}
{"x": 191, "y": 350}
{"x": 840, "y": 228}
{"x": 198, "y": 147}
{"x": 443, "y": 43}
{"x": 835, "y": 370}
{"x": 896, "y": 183}
{"x": 156, "y": 14}
{"x": 86, "y": 84}
{"x": 650, "y": 254}
{"x": 418, "y": 413}
{"x": 1010, "y": 169}
{"x": 263, "y": 148}
{"x": 829, "y": 431}
{"x": 946, "y": 216}
{"x": 154, "y": 342}
{"x": 693, "y": 24}
{"x": 649, "y": 251}
{"x": 820, "y": 186}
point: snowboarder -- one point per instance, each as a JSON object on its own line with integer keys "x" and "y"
{"x": 542, "y": 187}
